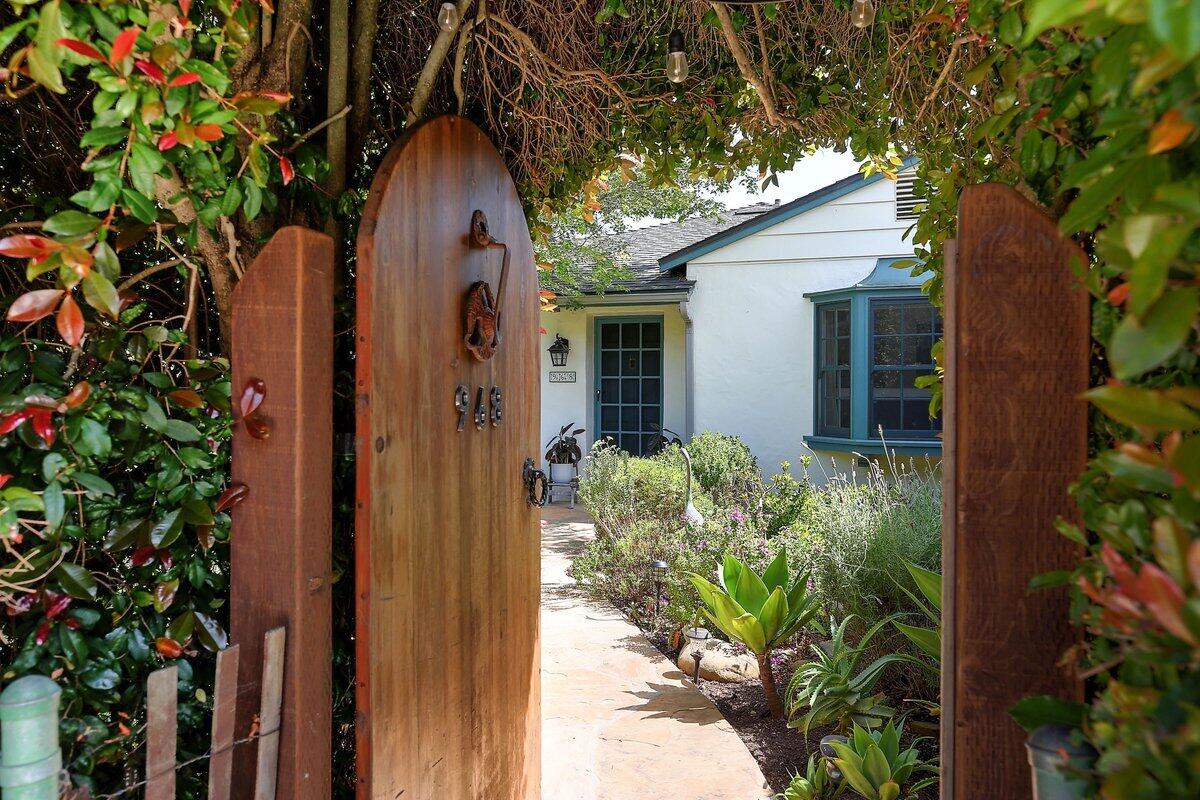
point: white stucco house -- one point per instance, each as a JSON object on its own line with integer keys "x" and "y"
{"x": 784, "y": 324}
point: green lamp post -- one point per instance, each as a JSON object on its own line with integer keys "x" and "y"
{"x": 30, "y": 759}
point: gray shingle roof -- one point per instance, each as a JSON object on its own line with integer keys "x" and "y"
{"x": 640, "y": 249}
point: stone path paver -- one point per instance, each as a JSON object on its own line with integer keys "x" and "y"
{"x": 619, "y": 721}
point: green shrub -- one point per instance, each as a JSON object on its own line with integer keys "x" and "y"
{"x": 726, "y": 470}
{"x": 854, "y": 538}
{"x": 786, "y": 501}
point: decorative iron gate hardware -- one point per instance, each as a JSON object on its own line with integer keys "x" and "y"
{"x": 483, "y": 308}
{"x": 536, "y": 484}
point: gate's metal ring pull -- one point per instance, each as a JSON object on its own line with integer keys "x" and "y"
{"x": 537, "y": 486}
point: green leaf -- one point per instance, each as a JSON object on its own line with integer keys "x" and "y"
{"x": 927, "y": 639}
{"x": 94, "y": 484}
{"x": 772, "y": 613}
{"x": 101, "y": 678}
{"x": 126, "y": 535}
{"x": 139, "y": 205}
{"x": 1141, "y": 345}
{"x": 71, "y": 223}
{"x": 1143, "y": 408}
{"x": 144, "y": 164}
{"x": 1037, "y": 710}
{"x": 181, "y": 431}
{"x": 54, "y": 504}
{"x": 167, "y": 529}
{"x": 77, "y": 580}
{"x": 104, "y": 136}
{"x": 776, "y": 574}
{"x": 929, "y": 582}
{"x": 1043, "y": 14}
{"x": 45, "y": 71}
{"x": 101, "y": 295}
{"x": 1090, "y": 206}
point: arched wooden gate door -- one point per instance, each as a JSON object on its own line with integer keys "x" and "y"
{"x": 446, "y": 543}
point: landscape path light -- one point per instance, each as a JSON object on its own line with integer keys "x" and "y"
{"x": 698, "y": 638}
{"x": 658, "y": 568}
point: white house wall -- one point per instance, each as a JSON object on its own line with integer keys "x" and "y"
{"x": 753, "y": 333}
{"x": 575, "y": 402}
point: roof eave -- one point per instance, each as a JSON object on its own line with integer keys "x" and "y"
{"x": 786, "y": 211}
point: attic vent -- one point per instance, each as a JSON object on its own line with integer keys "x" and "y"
{"x": 906, "y": 201}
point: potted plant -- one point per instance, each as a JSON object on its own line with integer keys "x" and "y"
{"x": 563, "y": 454}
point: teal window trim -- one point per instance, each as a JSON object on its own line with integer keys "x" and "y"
{"x": 861, "y": 438}
{"x": 596, "y": 370}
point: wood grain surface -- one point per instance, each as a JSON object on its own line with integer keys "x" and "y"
{"x": 1017, "y": 346}
{"x": 281, "y": 540}
{"x": 447, "y": 563}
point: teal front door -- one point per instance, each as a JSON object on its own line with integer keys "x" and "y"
{"x": 629, "y": 381}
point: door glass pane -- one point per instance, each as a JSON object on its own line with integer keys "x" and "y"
{"x": 631, "y": 361}
{"x": 629, "y": 390}
{"x": 651, "y": 391}
{"x": 652, "y": 335}
{"x": 631, "y": 334}
{"x": 631, "y": 443}
{"x": 610, "y": 363}
{"x": 608, "y": 418}
{"x": 651, "y": 362}
{"x": 651, "y": 419}
{"x": 608, "y": 390}
{"x": 610, "y": 335}
{"x": 630, "y": 419}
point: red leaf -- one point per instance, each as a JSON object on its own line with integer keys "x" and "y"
{"x": 82, "y": 48}
{"x": 185, "y": 78}
{"x": 71, "y": 623}
{"x": 11, "y": 422}
{"x": 43, "y": 424}
{"x": 143, "y": 555}
{"x": 186, "y": 398}
{"x": 257, "y": 427}
{"x": 78, "y": 395}
{"x": 54, "y": 603}
{"x": 253, "y": 394}
{"x": 123, "y": 45}
{"x": 32, "y": 306}
{"x": 168, "y": 648}
{"x": 5, "y": 477}
{"x": 164, "y": 556}
{"x": 1119, "y": 294}
{"x": 285, "y": 167}
{"x": 70, "y": 321}
{"x": 231, "y": 497}
{"x": 185, "y": 7}
{"x": 167, "y": 141}
{"x": 25, "y": 246}
{"x": 208, "y": 132}
{"x": 43, "y": 633}
{"x": 151, "y": 71}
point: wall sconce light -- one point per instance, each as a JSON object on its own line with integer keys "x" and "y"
{"x": 559, "y": 351}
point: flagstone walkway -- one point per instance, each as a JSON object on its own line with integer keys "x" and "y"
{"x": 619, "y": 721}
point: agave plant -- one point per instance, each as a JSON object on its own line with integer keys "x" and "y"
{"x": 814, "y": 784}
{"x": 873, "y": 764}
{"x": 832, "y": 689}
{"x": 929, "y": 583}
{"x": 760, "y": 612}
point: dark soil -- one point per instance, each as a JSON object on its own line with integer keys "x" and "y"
{"x": 780, "y": 751}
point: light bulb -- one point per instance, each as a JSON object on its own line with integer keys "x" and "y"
{"x": 448, "y": 17}
{"x": 677, "y": 67}
{"x": 862, "y": 13}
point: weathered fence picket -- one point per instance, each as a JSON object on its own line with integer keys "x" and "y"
{"x": 26, "y": 769}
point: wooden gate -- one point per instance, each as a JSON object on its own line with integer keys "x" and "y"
{"x": 447, "y": 413}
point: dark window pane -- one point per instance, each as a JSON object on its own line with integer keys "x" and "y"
{"x": 832, "y": 413}
{"x": 843, "y": 320}
{"x": 631, "y": 362}
{"x": 843, "y": 352}
{"x": 843, "y": 382}
{"x": 651, "y": 419}
{"x": 885, "y": 384}
{"x": 887, "y": 319}
{"x": 937, "y": 322}
{"x": 651, "y": 363}
{"x": 631, "y": 444}
{"x": 608, "y": 418}
{"x": 651, "y": 334}
{"x": 828, "y": 322}
{"x": 631, "y": 335}
{"x": 887, "y": 414}
{"x": 887, "y": 351}
{"x": 916, "y": 415}
{"x": 629, "y": 390}
{"x": 916, "y": 349}
{"x": 651, "y": 390}
{"x": 610, "y": 335}
{"x": 630, "y": 419}
{"x": 610, "y": 363}
{"x": 918, "y": 317}
{"x": 608, "y": 390}
{"x": 844, "y": 415}
{"x": 910, "y": 383}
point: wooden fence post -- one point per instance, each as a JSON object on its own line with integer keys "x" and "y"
{"x": 280, "y": 546}
{"x": 1016, "y": 359}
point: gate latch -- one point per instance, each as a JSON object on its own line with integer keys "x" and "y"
{"x": 537, "y": 488}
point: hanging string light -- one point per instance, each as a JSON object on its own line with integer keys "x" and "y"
{"x": 677, "y": 66}
{"x": 862, "y": 13}
{"x": 448, "y": 17}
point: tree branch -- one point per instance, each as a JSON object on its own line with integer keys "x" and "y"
{"x": 437, "y": 55}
